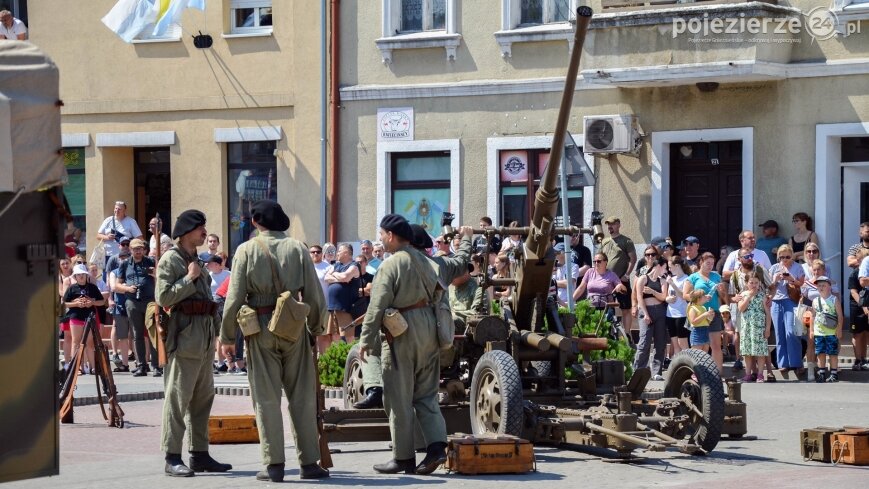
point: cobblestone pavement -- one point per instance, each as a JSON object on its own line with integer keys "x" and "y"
{"x": 95, "y": 456}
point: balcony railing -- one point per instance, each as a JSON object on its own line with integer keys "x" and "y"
{"x": 626, "y": 5}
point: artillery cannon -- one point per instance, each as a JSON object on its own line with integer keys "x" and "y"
{"x": 508, "y": 374}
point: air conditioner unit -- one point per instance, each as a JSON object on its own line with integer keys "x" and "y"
{"x": 611, "y": 134}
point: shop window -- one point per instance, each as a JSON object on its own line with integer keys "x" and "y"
{"x": 520, "y": 172}
{"x": 251, "y": 176}
{"x": 421, "y": 187}
{"x": 74, "y": 190}
{"x": 250, "y": 16}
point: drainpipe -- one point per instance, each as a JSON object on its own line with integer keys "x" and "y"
{"x": 324, "y": 122}
{"x": 335, "y": 133}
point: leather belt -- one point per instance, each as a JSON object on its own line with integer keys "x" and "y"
{"x": 418, "y": 305}
{"x": 195, "y": 307}
{"x": 264, "y": 310}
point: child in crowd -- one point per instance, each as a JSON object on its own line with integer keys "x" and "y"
{"x": 699, "y": 317}
{"x": 80, "y": 300}
{"x": 754, "y": 329}
{"x": 729, "y": 338}
{"x": 827, "y": 330}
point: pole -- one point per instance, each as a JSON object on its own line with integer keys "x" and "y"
{"x": 568, "y": 251}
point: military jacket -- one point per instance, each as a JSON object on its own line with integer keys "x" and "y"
{"x": 401, "y": 281}
{"x": 251, "y": 281}
{"x": 466, "y": 299}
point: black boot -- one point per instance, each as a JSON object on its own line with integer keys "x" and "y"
{"x": 396, "y": 466}
{"x": 313, "y": 471}
{"x": 273, "y": 472}
{"x": 435, "y": 456}
{"x": 175, "y": 466}
{"x": 202, "y": 462}
{"x": 373, "y": 399}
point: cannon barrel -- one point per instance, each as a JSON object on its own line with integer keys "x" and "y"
{"x": 535, "y": 340}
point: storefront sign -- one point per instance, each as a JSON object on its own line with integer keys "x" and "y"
{"x": 395, "y": 124}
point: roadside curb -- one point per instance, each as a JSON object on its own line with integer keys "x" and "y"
{"x": 126, "y": 397}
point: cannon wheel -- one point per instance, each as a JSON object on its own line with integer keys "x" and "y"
{"x": 496, "y": 395}
{"x": 354, "y": 390}
{"x": 694, "y": 378}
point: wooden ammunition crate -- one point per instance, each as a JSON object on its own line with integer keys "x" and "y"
{"x": 850, "y": 447}
{"x": 233, "y": 429}
{"x": 815, "y": 443}
{"x": 503, "y": 454}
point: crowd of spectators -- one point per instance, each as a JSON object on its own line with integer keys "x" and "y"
{"x": 738, "y": 303}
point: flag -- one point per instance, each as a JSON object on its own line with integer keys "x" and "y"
{"x": 170, "y": 13}
{"x": 128, "y": 18}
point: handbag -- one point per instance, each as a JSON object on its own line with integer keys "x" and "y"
{"x": 290, "y": 316}
{"x": 794, "y": 293}
{"x": 98, "y": 255}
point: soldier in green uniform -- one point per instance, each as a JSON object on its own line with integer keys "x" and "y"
{"x": 448, "y": 269}
{"x": 273, "y": 362}
{"x": 466, "y": 298}
{"x": 183, "y": 287}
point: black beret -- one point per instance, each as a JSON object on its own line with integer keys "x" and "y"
{"x": 398, "y": 225}
{"x": 421, "y": 238}
{"x": 187, "y": 221}
{"x": 269, "y": 214}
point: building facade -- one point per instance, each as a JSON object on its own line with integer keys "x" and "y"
{"x": 165, "y": 126}
{"x": 742, "y": 112}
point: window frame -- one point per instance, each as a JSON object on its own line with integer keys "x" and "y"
{"x": 392, "y": 38}
{"x": 513, "y": 31}
{"x": 265, "y": 160}
{"x": 532, "y": 184}
{"x": 79, "y": 220}
{"x": 235, "y": 29}
{"x": 396, "y": 185}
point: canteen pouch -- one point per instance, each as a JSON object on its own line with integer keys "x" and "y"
{"x": 248, "y": 321}
{"x": 288, "y": 320}
{"x": 394, "y": 322}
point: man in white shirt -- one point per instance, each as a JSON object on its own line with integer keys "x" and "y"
{"x": 747, "y": 240}
{"x": 11, "y": 28}
{"x": 117, "y": 226}
{"x": 560, "y": 275}
{"x": 165, "y": 240}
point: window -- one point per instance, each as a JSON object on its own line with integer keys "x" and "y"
{"x": 423, "y": 15}
{"x": 74, "y": 190}
{"x": 847, "y": 12}
{"x": 250, "y": 16}
{"x": 416, "y": 24}
{"x": 251, "y": 176}
{"x": 520, "y": 172}
{"x": 533, "y": 12}
{"x": 18, "y": 9}
{"x": 421, "y": 187}
{"x": 535, "y": 20}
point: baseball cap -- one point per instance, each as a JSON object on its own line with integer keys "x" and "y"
{"x": 559, "y": 248}
{"x": 724, "y": 308}
{"x": 124, "y": 240}
{"x": 658, "y": 241}
{"x": 612, "y": 219}
{"x": 691, "y": 240}
{"x": 80, "y": 270}
{"x": 137, "y": 243}
{"x": 769, "y": 223}
{"x": 822, "y": 278}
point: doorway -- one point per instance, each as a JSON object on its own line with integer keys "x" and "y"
{"x": 855, "y": 207}
{"x": 153, "y": 186}
{"x": 706, "y": 192}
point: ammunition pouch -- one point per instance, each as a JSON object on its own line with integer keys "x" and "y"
{"x": 248, "y": 320}
{"x": 289, "y": 317}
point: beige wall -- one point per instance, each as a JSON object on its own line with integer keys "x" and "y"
{"x": 109, "y": 86}
{"x": 783, "y": 113}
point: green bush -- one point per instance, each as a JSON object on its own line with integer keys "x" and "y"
{"x": 590, "y": 321}
{"x": 331, "y": 363}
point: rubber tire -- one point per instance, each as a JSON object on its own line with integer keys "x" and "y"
{"x": 699, "y": 363}
{"x": 505, "y": 375}
{"x": 543, "y": 367}
{"x": 352, "y": 363}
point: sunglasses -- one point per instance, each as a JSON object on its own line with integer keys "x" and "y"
{"x": 784, "y": 257}
{"x": 315, "y": 252}
{"x": 598, "y": 261}
{"x": 121, "y": 202}
{"x": 651, "y": 254}
{"x": 79, "y": 263}
{"x": 747, "y": 257}
{"x": 812, "y": 251}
